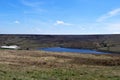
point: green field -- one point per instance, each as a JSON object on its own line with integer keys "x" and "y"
{"x": 40, "y": 65}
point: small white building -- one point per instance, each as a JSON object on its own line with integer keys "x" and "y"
{"x": 10, "y": 47}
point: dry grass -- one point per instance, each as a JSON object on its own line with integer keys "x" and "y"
{"x": 40, "y": 58}
{"x": 40, "y": 65}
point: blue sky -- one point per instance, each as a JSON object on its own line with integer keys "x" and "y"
{"x": 59, "y": 16}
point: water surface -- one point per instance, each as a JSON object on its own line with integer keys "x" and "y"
{"x": 59, "y": 49}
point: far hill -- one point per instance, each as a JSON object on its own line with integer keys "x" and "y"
{"x": 110, "y": 43}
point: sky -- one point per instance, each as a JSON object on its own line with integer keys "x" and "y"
{"x": 60, "y": 17}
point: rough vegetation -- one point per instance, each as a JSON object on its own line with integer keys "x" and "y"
{"x": 40, "y": 65}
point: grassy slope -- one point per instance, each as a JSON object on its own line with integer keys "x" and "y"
{"x": 39, "y": 65}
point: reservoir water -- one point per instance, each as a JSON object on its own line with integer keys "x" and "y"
{"x": 59, "y": 49}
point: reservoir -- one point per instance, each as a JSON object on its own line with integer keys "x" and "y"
{"x": 72, "y": 50}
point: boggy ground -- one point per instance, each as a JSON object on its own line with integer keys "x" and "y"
{"x": 40, "y": 65}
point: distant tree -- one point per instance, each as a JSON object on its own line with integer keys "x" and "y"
{"x": 108, "y": 47}
{"x": 97, "y": 45}
{"x": 27, "y": 48}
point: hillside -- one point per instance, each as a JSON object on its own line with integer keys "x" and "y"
{"x": 40, "y": 65}
{"x": 109, "y": 43}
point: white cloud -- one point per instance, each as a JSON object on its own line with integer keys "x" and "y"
{"x": 31, "y": 3}
{"x": 34, "y": 5}
{"x": 17, "y": 22}
{"x": 110, "y": 14}
{"x": 59, "y": 22}
{"x": 113, "y": 28}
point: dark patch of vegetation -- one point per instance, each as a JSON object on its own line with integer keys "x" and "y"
{"x": 102, "y": 62}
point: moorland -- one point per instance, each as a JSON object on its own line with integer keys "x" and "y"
{"x": 28, "y": 63}
{"x": 108, "y": 43}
